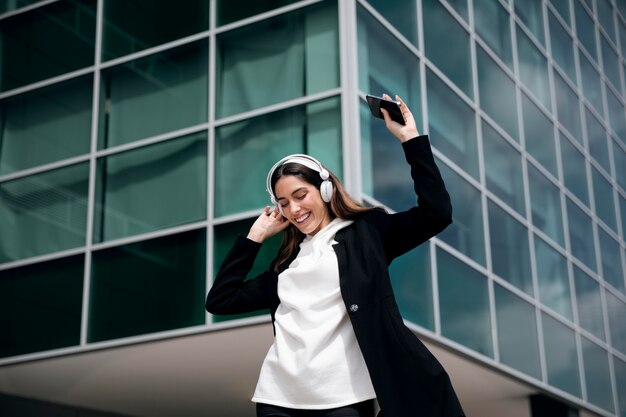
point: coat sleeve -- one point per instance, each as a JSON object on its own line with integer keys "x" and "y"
{"x": 231, "y": 292}
{"x": 403, "y": 231}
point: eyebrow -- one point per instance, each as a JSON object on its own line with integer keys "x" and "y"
{"x": 295, "y": 191}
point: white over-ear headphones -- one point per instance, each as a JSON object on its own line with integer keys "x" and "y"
{"x": 326, "y": 187}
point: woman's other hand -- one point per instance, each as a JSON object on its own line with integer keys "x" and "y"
{"x": 402, "y": 132}
{"x": 269, "y": 223}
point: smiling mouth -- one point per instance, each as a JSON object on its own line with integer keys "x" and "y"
{"x": 302, "y": 219}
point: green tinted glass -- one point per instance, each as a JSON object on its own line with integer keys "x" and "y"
{"x": 256, "y": 144}
{"x": 452, "y": 125}
{"x": 612, "y": 270}
{"x": 45, "y": 125}
{"x": 568, "y": 109}
{"x": 517, "y": 332}
{"x": 619, "y": 153}
{"x": 574, "y": 170}
{"x": 231, "y": 10}
{"x": 562, "y": 7}
{"x": 278, "y": 59}
{"x": 620, "y": 382}
{"x": 148, "y": 286}
{"x": 503, "y": 169}
{"x": 464, "y": 304}
{"x": 545, "y": 198}
{"x": 509, "y": 248}
{"x": 598, "y": 144}
{"x": 440, "y": 28}
{"x": 530, "y": 12}
{"x": 402, "y": 14}
{"x": 603, "y": 196}
{"x": 554, "y": 290}
{"x": 591, "y": 84}
{"x": 134, "y": 25}
{"x": 151, "y": 188}
{"x": 585, "y": 29}
{"x": 225, "y": 235}
{"x": 581, "y": 235}
{"x": 610, "y": 63}
{"x": 605, "y": 16}
{"x": 40, "y": 306}
{"x": 562, "y": 48}
{"x": 43, "y": 213}
{"x": 533, "y": 67}
{"x": 561, "y": 355}
{"x": 7, "y": 5}
{"x": 616, "y": 310}
{"x": 539, "y": 135}
{"x": 589, "y": 303}
{"x": 46, "y": 42}
{"x": 154, "y": 95}
{"x": 597, "y": 375}
{"x": 616, "y": 116}
{"x": 491, "y": 21}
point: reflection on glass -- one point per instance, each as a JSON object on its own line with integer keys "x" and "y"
{"x": 440, "y": 28}
{"x": 148, "y": 287}
{"x": 603, "y": 195}
{"x": 568, "y": 109}
{"x": 464, "y": 304}
{"x": 452, "y": 122}
{"x": 151, "y": 188}
{"x": 277, "y": 59}
{"x": 134, "y": 25}
{"x": 530, "y": 12}
{"x": 574, "y": 170}
{"x": 466, "y": 233}
{"x": 491, "y": 22}
{"x": 497, "y": 94}
{"x": 553, "y": 279}
{"x": 597, "y": 377}
{"x": 517, "y": 332}
{"x": 616, "y": 115}
{"x": 561, "y": 355}
{"x": 539, "y": 135}
{"x": 43, "y": 213}
{"x": 41, "y": 306}
{"x": 46, "y": 42}
{"x": 616, "y": 310}
{"x": 225, "y": 235}
{"x": 509, "y": 248}
{"x": 585, "y": 29}
{"x": 598, "y": 145}
{"x": 562, "y": 48}
{"x": 545, "y": 200}
{"x": 377, "y": 48}
{"x": 620, "y": 382}
{"x": 402, "y": 14}
{"x": 231, "y": 10}
{"x": 591, "y": 84}
{"x": 605, "y": 16}
{"x": 533, "y": 68}
{"x": 257, "y": 143}
{"x": 503, "y": 169}
{"x": 581, "y": 235}
{"x": 411, "y": 278}
{"x": 610, "y": 63}
{"x": 619, "y": 153}
{"x": 589, "y": 303}
{"x": 45, "y": 125}
{"x": 622, "y": 205}
{"x": 562, "y": 7}
{"x": 612, "y": 270}
{"x": 154, "y": 95}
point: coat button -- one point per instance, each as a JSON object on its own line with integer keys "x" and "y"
{"x": 354, "y": 308}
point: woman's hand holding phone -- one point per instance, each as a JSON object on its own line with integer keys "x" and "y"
{"x": 402, "y": 132}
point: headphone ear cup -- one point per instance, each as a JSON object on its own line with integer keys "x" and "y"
{"x": 326, "y": 190}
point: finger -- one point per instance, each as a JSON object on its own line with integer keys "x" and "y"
{"x": 386, "y": 116}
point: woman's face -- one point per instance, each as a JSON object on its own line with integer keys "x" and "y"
{"x": 302, "y": 204}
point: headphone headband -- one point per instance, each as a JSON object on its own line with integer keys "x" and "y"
{"x": 297, "y": 158}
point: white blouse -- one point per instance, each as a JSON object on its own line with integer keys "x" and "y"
{"x": 315, "y": 361}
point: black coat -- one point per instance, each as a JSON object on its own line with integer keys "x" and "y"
{"x": 407, "y": 378}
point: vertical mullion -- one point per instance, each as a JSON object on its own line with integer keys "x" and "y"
{"x": 210, "y": 158}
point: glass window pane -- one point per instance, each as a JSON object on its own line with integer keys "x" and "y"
{"x": 581, "y": 235}
{"x": 134, "y": 25}
{"x": 151, "y": 188}
{"x": 509, "y": 248}
{"x": 589, "y": 303}
{"x": 43, "y": 213}
{"x": 154, "y": 95}
{"x": 620, "y": 382}
{"x": 491, "y": 22}
{"x": 460, "y": 6}
{"x": 612, "y": 270}
{"x": 530, "y": 12}
{"x": 562, "y": 48}
{"x": 231, "y": 10}
{"x": 553, "y": 279}
{"x": 225, "y": 235}
{"x": 533, "y": 68}
{"x": 562, "y": 7}
{"x": 605, "y": 16}
{"x": 464, "y": 304}
{"x": 402, "y": 14}
{"x": 497, "y": 94}
{"x": 503, "y": 169}
{"x": 258, "y": 143}
{"x": 545, "y": 199}
{"x": 585, "y": 30}
{"x": 8, "y": 5}
{"x": 278, "y": 59}
{"x": 616, "y": 310}
{"x": 561, "y": 356}
{"x": 147, "y": 287}
{"x": 603, "y": 194}
{"x": 452, "y": 125}
{"x": 517, "y": 332}
{"x": 377, "y": 47}
{"x": 610, "y": 62}
{"x": 568, "y": 108}
{"x": 411, "y": 277}
{"x": 45, "y": 125}
{"x": 46, "y": 42}
{"x": 597, "y": 378}
{"x": 622, "y": 37}
{"x": 619, "y": 154}
{"x": 41, "y": 306}
{"x": 574, "y": 170}
{"x": 616, "y": 115}
{"x": 598, "y": 144}
{"x": 440, "y": 28}
{"x": 539, "y": 135}
{"x": 466, "y": 233}
{"x": 622, "y": 206}
{"x": 591, "y": 84}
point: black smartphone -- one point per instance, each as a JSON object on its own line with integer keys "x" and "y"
{"x": 392, "y": 106}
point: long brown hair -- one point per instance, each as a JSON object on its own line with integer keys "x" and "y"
{"x": 341, "y": 205}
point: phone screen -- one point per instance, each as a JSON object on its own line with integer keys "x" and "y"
{"x": 393, "y": 107}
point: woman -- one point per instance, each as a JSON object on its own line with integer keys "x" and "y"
{"x": 339, "y": 340}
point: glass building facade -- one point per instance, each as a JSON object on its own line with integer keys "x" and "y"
{"x": 135, "y": 136}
